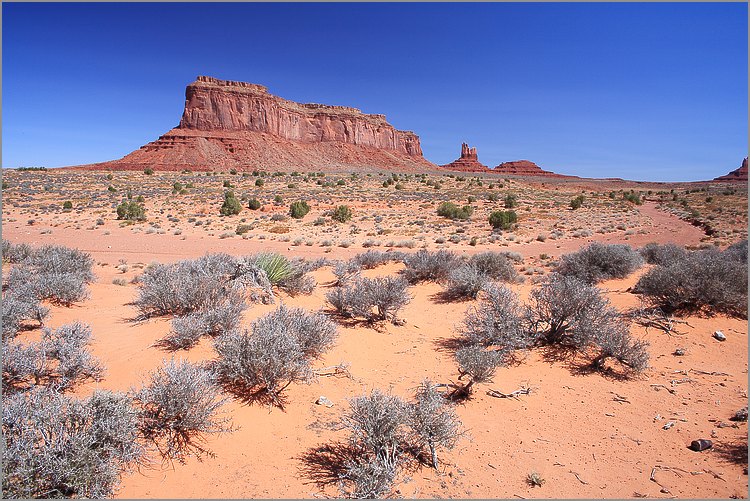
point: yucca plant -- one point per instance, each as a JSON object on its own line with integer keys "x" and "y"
{"x": 276, "y": 266}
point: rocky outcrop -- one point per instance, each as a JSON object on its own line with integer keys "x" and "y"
{"x": 467, "y": 162}
{"x": 227, "y": 124}
{"x": 739, "y": 174}
{"x": 523, "y": 168}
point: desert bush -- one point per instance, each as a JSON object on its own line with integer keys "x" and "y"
{"x": 702, "y": 280}
{"x": 52, "y": 272}
{"x": 345, "y": 271}
{"x": 179, "y": 405}
{"x": 511, "y": 200}
{"x": 67, "y": 205}
{"x": 614, "y": 341}
{"x": 572, "y": 314}
{"x": 276, "y": 353}
{"x": 577, "y": 202}
{"x": 314, "y": 333}
{"x": 373, "y": 299}
{"x": 60, "y": 360}
{"x": 663, "y": 254}
{"x": 364, "y": 477}
{"x": 254, "y": 204}
{"x": 737, "y": 251}
{"x": 503, "y": 220}
{"x": 214, "y": 320}
{"x": 425, "y": 265}
{"x": 567, "y": 311}
{"x": 478, "y": 363}
{"x": 58, "y": 446}
{"x": 15, "y": 253}
{"x": 56, "y": 259}
{"x": 17, "y": 310}
{"x": 208, "y": 282}
{"x": 496, "y": 322}
{"x": 432, "y": 421}
{"x": 496, "y": 265}
{"x": 632, "y": 198}
{"x": 131, "y": 211}
{"x": 452, "y": 211}
{"x": 599, "y": 262}
{"x": 299, "y": 209}
{"x": 342, "y": 214}
{"x": 377, "y": 425}
{"x": 465, "y": 282}
{"x": 231, "y": 205}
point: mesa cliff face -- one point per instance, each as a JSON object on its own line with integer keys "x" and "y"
{"x": 227, "y": 124}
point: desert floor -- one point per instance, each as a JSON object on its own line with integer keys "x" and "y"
{"x": 586, "y": 434}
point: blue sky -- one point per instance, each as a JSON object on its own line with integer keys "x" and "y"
{"x": 639, "y": 91}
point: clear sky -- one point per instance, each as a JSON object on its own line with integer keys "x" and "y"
{"x": 633, "y": 90}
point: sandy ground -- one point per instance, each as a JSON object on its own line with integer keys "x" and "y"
{"x": 587, "y": 435}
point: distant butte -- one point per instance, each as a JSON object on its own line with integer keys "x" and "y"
{"x": 739, "y": 174}
{"x": 523, "y": 168}
{"x": 228, "y": 124}
{"x": 467, "y": 162}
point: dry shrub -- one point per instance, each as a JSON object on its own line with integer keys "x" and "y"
{"x": 599, "y": 262}
{"x": 708, "y": 280}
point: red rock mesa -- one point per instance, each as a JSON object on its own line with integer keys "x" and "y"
{"x": 523, "y": 168}
{"x": 239, "y": 125}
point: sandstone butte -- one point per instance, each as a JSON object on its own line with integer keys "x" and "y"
{"x": 467, "y": 162}
{"x": 240, "y": 125}
{"x": 738, "y": 174}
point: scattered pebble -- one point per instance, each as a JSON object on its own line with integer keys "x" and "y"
{"x": 719, "y": 336}
{"x": 668, "y": 425}
{"x": 322, "y": 400}
{"x": 679, "y": 352}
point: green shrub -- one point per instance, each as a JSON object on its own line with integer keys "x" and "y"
{"x": 149, "y": 171}
{"x": 577, "y": 202}
{"x": 511, "y": 200}
{"x": 452, "y": 211}
{"x": 254, "y": 204}
{"x": 502, "y": 219}
{"x": 68, "y": 205}
{"x": 278, "y": 199}
{"x": 259, "y": 182}
{"x": 342, "y": 214}
{"x": 632, "y": 198}
{"x": 231, "y": 205}
{"x": 299, "y": 209}
{"x": 131, "y": 211}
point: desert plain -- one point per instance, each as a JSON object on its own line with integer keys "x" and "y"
{"x": 585, "y": 433}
